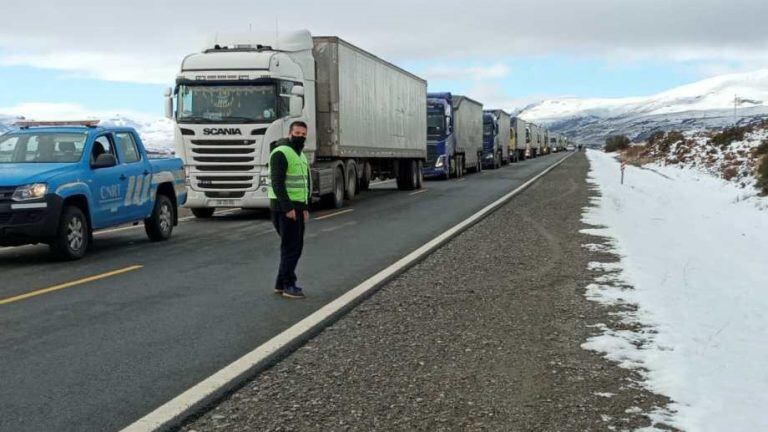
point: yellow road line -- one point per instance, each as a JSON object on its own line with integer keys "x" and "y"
{"x": 330, "y": 215}
{"x": 418, "y": 192}
{"x": 68, "y": 284}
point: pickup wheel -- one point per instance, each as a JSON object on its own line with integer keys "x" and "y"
{"x": 159, "y": 225}
{"x": 73, "y": 235}
{"x": 203, "y": 213}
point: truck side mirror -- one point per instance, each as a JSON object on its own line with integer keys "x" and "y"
{"x": 168, "y": 103}
{"x": 296, "y": 105}
{"x": 105, "y": 160}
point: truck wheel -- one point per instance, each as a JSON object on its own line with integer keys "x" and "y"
{"x": 407, "y": 177}
{"x": 71, "y": 240}
{"x": 159, "y": 225}
{"x": 419, "y": 175}
{"x": 365, "y": 178}
{"x": 203, "y": 213}
{"x": 350, "y": 191}
{"x": 336, "y": 198}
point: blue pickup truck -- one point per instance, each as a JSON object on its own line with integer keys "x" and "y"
{"x": 60, "y": 181}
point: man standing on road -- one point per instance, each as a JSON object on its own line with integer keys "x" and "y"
{"x": 289, "y": 195}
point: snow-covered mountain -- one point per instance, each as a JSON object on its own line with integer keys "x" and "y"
{"x": 157, "y": 134}
{"x": 701, "y": 105}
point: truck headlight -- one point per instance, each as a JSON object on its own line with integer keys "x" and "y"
{"x": 440, "y": 162}
{"x": 30, "y": 192}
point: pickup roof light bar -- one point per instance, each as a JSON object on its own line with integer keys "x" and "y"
{"x": 24, "y": 124}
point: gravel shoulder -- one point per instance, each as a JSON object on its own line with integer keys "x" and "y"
{"x": 484, "y": 334}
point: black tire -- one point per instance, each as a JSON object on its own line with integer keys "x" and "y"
{"x": 420, "y": 176}
{"x": 350, "y": 189}
{"x": 159, "y": 225}
{"x": 203, "y": 213}
{"x": 72, "y": 238}
{"x": 335, "y": 199}
{"x": 407, "y": 176}
{"x": 365, "y": 178}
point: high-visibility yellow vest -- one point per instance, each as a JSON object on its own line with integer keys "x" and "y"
{"x": 296, "y": 178}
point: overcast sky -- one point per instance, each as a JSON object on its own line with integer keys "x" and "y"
{"x": 504, "y": 51}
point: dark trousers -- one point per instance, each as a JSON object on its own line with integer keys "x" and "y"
{"x": 291, "y": 244}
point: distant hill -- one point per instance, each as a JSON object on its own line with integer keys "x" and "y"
{"x": 702, "y": 105}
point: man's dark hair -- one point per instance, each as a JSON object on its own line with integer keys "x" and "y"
{"x": 298, "y": 123}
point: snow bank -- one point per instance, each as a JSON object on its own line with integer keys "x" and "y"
{"x": 694, "y": 260}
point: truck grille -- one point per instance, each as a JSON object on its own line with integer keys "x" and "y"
{"x": 5, "y": 218}
{"x": 225, "y": 182}
{"x": 431, "y": 155}
{"x": 224, "y": 168}
{"x": 225, "y": 194}
{"x": 6, "y": 193}
{"x": 223, "y": 142}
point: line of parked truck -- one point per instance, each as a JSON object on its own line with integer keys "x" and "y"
{"x": 368, "y": 119}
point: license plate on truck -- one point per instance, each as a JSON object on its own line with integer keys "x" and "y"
{"x": 225, "y": 203}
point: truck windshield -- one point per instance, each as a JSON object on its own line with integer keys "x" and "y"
{"x": 43, "y": 147}
{"x": 487, "y": 128}
{"x": 227, "y": 103}
{"x": 435, "y": 123}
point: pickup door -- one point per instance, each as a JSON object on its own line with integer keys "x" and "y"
{"x": 119, "y": 192}
{"x": 137, "y": 202}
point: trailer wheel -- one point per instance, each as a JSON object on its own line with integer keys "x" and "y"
{"x": 365, "y": 178}
{"x": 419, "y": 175}
{"x": 350, "y": 190}
{"x": 336, "y": 198}
{"x": 407, "y": 177}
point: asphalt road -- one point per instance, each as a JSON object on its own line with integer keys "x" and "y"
{"x": 141, "y": 322}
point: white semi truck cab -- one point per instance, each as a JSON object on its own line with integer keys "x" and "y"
{"x": 232, "y": 101}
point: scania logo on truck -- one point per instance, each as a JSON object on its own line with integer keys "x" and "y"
{"x": 222, "y": 131}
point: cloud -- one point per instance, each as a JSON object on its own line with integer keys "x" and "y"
{"x": 448, "y": 72}
{"x": 144, "y": 40}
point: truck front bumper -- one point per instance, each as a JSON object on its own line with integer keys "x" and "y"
{"x": 252, "y": 199}
{"x": 434, "y": 172}
{"x": 29, "y": 222}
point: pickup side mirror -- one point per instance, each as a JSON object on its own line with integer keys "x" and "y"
{"x": 106, "y": 160}
{"x": 168, "y": 103}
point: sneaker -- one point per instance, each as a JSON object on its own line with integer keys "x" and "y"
{"x": 278, "y": 290}
{"x": 293, "y": 292}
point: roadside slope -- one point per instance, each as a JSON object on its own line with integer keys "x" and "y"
{"x": 483, "y": 334}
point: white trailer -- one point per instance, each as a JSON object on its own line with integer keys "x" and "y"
{"x": 468, "y": 120}
{"x": 366, "y": 117}
{"x": 523, "y": 137}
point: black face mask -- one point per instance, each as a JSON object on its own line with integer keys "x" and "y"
{"x": 298, "y": 141}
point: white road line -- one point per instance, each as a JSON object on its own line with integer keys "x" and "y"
{"x": 172, "y": 413}
{"x": 418, "y": 192}
{"x": 330, "y": 215}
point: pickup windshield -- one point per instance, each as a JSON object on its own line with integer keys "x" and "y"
{"x": 43, "y": 147}
{"x": 227, "y": 103}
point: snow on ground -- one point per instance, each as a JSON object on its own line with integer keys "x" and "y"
{"x": 693, "y": 259}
